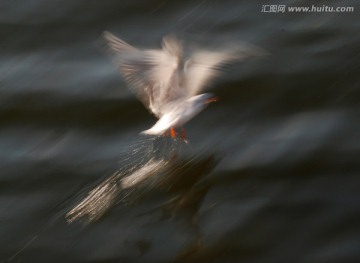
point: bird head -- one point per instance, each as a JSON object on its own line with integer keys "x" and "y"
{"x": 207, "y": 98}
{"x": 204, "y": 99}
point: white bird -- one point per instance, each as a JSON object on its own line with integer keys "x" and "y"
{"x": 166, "y": 82}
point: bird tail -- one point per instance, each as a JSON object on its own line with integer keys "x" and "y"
{"x": 152, "y": 132}
{"x": 160, "y": 127}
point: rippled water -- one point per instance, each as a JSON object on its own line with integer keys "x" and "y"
{"x": 273, "y": 170}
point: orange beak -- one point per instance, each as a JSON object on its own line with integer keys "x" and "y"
{"x": 212, "y": 99}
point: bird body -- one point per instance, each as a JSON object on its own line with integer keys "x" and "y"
{"x": 179, "y": 113}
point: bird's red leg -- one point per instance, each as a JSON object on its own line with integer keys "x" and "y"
{"x": 167, "y": 133}
{"x": 173, "y": 132}
{"x": 183, "y": 134}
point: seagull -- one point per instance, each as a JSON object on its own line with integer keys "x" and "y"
{"x": 167, "y": 82}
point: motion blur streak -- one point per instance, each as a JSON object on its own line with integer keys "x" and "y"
{"x": 100, "y": 199}
{"x": 167, "y": 167}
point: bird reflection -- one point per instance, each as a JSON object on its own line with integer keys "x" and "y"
{"x": 154, "y": 164}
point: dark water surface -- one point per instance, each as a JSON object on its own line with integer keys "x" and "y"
{"x": 273, "y": 174}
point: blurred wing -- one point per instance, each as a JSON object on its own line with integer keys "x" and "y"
{"x": 151, "y": 74}
{"x": 116, "y": 44}
{"x": 203, "y": 66}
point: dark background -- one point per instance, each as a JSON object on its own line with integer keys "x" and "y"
{"x": 287, "y": 185}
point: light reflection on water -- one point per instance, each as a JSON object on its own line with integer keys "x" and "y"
{"x": 150, "y": 164}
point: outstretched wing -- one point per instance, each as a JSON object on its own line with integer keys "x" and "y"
{"x": 203, "y": 66}
{"x": 153, "y": 75}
